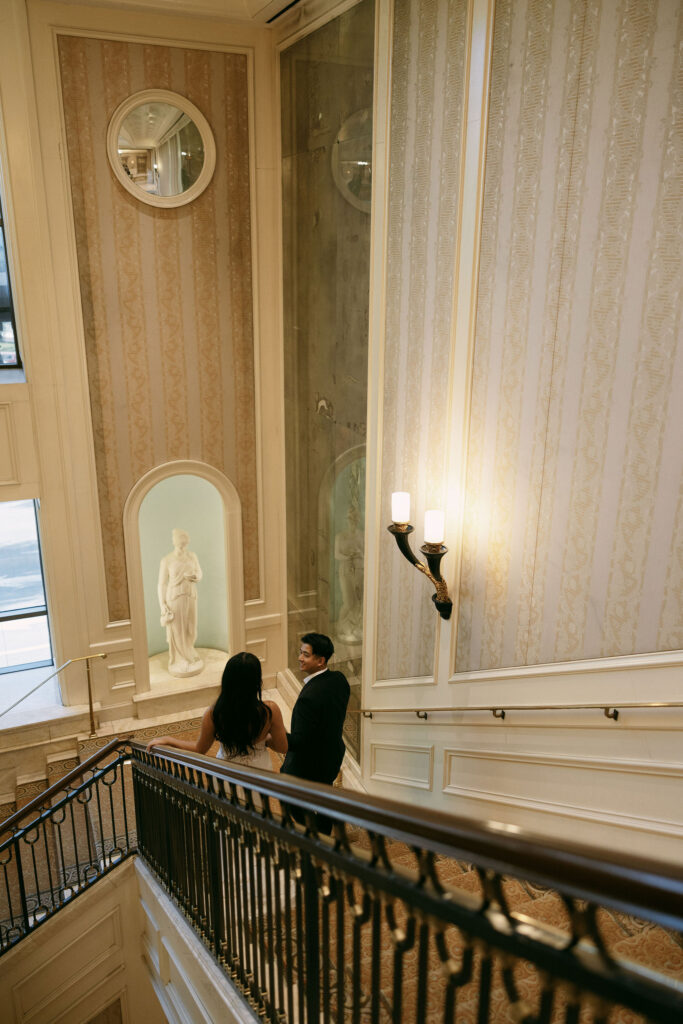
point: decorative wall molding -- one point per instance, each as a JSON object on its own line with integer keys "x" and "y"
{"x": 352, "y": 775}
{"x": 633, "y": 663}
{"x": 289, "y": 685}
{"x": 9, "y": 462}
{"x": 79, "y": 956}
{"x": 266, "y": 621}
{"x": 80, "y": 963}
{"x": 549, "y": 793}
{"x": 188, "y": 982}
{"x": 259, "y": 647}
{"x": 387, "y": 768}
{"x": 659, "y": 827}
{"x": 672, "y": 769}
{"x": 392, "y": 684}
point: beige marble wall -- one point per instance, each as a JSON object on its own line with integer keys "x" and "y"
{"x": 166, "y": 294}
{"x": 427, "y": 91}
{"x": 572, "y": 543}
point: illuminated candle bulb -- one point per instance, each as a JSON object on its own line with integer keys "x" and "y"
{"x": 434, "y": 526}
{"x": 400, "y": 507}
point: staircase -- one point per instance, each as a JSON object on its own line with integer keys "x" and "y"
{"x": 403, "y": 917}
{"x": 626, "y": 938}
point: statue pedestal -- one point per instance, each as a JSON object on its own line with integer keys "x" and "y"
{"x": 187, "y": 670}
{"x": 212, "y": 665}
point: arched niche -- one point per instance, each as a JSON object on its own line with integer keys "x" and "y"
{"x": 194, "y": 497}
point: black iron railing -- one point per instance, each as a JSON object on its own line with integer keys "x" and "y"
{"x": 64, "y": 841}
{"x": 402, "y": 915}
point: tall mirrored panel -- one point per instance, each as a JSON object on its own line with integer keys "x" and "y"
{"x": 326, "y": 88}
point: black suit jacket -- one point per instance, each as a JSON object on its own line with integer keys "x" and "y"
{"x": 316, "y": 748}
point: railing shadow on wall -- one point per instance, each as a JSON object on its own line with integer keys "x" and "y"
{"x": 398, "y": 915}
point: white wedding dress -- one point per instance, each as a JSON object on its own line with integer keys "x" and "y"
{"x": 258, "y": 758}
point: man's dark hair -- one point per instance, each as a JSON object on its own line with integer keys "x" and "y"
{"x": 321, "y": 645}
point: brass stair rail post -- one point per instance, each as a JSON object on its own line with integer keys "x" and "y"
{"x": 87, "y": 658}
{"x": 91, "y": 707}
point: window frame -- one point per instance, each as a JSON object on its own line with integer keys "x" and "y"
{"x": 31, "y": 611}
{"x": 7, "y": 312}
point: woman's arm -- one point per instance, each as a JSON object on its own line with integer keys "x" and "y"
{"x": 277, "y": 736}
{"x": 206, "y": 737}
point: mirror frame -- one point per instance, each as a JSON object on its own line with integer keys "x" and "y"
{"x": 182, "y": 103}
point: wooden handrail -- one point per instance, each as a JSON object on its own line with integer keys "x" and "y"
{"x": 609, "y": 708}
{"x": 57, "y": 787}
{"x": 636, "y": 885}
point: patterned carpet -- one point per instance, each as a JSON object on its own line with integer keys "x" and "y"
{"x": 625, "y": 938}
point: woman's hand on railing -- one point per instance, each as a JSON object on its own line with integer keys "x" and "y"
{"x": 161, "y": 741}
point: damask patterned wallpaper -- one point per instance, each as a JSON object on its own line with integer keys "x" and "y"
{"x": 574, "y": 525}
{"x": 166, "y": 294}
{"x": 428, "y": 64}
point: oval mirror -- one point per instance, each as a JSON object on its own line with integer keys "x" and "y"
{"x": 161, "y": 148}
{"x": 352, "y": 159}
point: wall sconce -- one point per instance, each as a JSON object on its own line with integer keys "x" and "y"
{"x": 433, "y": 548}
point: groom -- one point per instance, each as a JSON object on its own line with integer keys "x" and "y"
{"x": 316, "y": 748}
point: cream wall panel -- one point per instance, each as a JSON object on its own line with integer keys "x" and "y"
{"x": 566, "y": 775}
{"x": 167, "y": 299}
{"x": 189, "y": 983}
{"x": 264, "y": 638}
{"x": 51, "y": 313}
{"x": 402, "y": 764}
{"x": 9, "y": 456}
{"x": 258, "y": 646}
{"x": 569, "y": 546}
{"x": 88, "y": 954}
{"x": 83, "y": 960}
{"x": 18, "y": 456}
{"x": 637, "y": 678}
{"x": 597, "y": 787}
{"x": 611, "y": 804}
{"x": 427, "y": 95}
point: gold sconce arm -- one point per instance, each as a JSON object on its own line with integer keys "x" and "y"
{"x": 432, "y": 570}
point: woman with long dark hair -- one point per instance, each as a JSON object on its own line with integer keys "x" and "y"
{"x": 240, "y": 720}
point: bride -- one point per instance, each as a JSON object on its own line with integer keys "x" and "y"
{"x": 241, "y": 722}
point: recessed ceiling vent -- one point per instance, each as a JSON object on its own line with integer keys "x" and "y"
{"x": 268, "y": 11}
{"x": 283, "y": 10}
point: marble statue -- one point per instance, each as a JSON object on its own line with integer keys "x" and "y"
{"x": 179, "y": 573}
{"x": 349, "y": 546}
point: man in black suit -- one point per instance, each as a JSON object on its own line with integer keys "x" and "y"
{"x": 316, "y": 748}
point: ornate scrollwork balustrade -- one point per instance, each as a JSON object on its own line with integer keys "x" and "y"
{"x": 399, "y": 915}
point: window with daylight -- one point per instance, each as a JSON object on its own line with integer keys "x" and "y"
{"x": 9, "y": 351}
{"x": 24, "y": 632}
